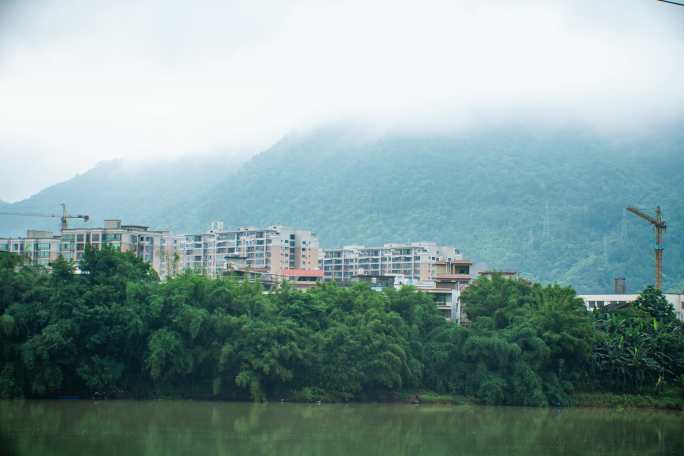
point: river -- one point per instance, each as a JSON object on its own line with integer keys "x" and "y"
{"x": 172, "y": 428}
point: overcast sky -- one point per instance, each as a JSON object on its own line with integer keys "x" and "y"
{"x": 85, "y": 81}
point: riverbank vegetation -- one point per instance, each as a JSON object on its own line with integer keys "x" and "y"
{"x": 114, "y": 330}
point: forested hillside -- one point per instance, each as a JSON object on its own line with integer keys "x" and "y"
{"x": 115, "y": 189}
{"x": 550, "y": 205}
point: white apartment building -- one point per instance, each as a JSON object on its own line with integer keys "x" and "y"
{"x": 273, "y": 250}
{"x": 158, "y": 248}
{"x": 39, "y": 247}
{"x": 445, "y": 290}
{"x": 417, "y": 261}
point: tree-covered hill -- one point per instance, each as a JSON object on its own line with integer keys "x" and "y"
{"x": 551, "y": 206}
{"x": 548, "y": 204}
{"x": 136, "y": 193}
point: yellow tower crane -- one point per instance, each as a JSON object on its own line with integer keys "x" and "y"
{"x": 660, "y": 227}
{"x": 63, "y": 218}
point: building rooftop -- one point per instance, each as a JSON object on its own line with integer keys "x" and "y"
{"x": 134, "y": 227}
{"x": 302, "y": 273}
{"x": 443, "y": 277}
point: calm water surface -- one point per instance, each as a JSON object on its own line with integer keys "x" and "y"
{"x": 206, "y": 428}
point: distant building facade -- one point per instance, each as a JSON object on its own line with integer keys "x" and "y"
{"x": 418, "y": 261}
{"x": 39, "y": 247}
{"x": 302, "y": 279}
{"x": 271, "y": 250}
{"x": 599, "y": 301}
{"x": 158, "y": 248}
{"x": 440, "y": 271}
{"x": 445, "y": 290}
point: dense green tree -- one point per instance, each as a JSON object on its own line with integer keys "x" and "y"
{"x": 110, "y": 328}
{"x": 549, "y": 332}
{"x": 638, "y": 348}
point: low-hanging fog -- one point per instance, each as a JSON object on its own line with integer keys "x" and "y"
{"x": 83, "y": 81}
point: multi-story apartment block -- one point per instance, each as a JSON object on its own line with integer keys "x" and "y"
{"x": 418, "y": 261}
{"x": 272, "y": 250}
{"x": 40, "y": 247}
{"x": 158, "y": 248}
{"x": 445, "y": 290}
{"x": 440, "y": 271}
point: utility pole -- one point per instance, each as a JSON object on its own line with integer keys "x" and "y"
{"x": 660, "y": 227}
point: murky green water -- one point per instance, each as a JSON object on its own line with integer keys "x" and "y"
{"x": 206, "y": 428}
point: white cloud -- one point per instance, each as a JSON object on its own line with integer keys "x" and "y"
{"x": 84, "y": 81}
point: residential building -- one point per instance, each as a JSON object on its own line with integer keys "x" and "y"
{"x": 439, "y": 271}
{"x": 158, "y": 248}
{"x": 272, "y": 250}
{"x": 418, "y": 261}
{"x": 598, "y": 301}
{"x": 302, "y": 279}
{"x": 445, "y": 291}
{"x": 40, "y": 247}
{"x": 378, "y": 282}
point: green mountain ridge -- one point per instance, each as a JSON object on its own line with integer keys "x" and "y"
{"x": 550, "y": 204}
{"x": 115, "y": 189}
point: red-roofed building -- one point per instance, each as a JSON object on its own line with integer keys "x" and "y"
{"x": 302, "y": 278}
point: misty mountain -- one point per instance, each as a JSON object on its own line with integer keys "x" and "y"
{"x": 550, "y": 205}
{"x": 136, "y": 193}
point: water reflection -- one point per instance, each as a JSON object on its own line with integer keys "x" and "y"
{"x": 187, "y": 427}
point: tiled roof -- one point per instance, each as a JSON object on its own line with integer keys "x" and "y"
{"x": 302, "y": 273}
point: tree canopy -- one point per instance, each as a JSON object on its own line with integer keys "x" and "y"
{"x": 112, "y": 329}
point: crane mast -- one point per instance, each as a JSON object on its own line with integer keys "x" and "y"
{"x": 660, "y": 227}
